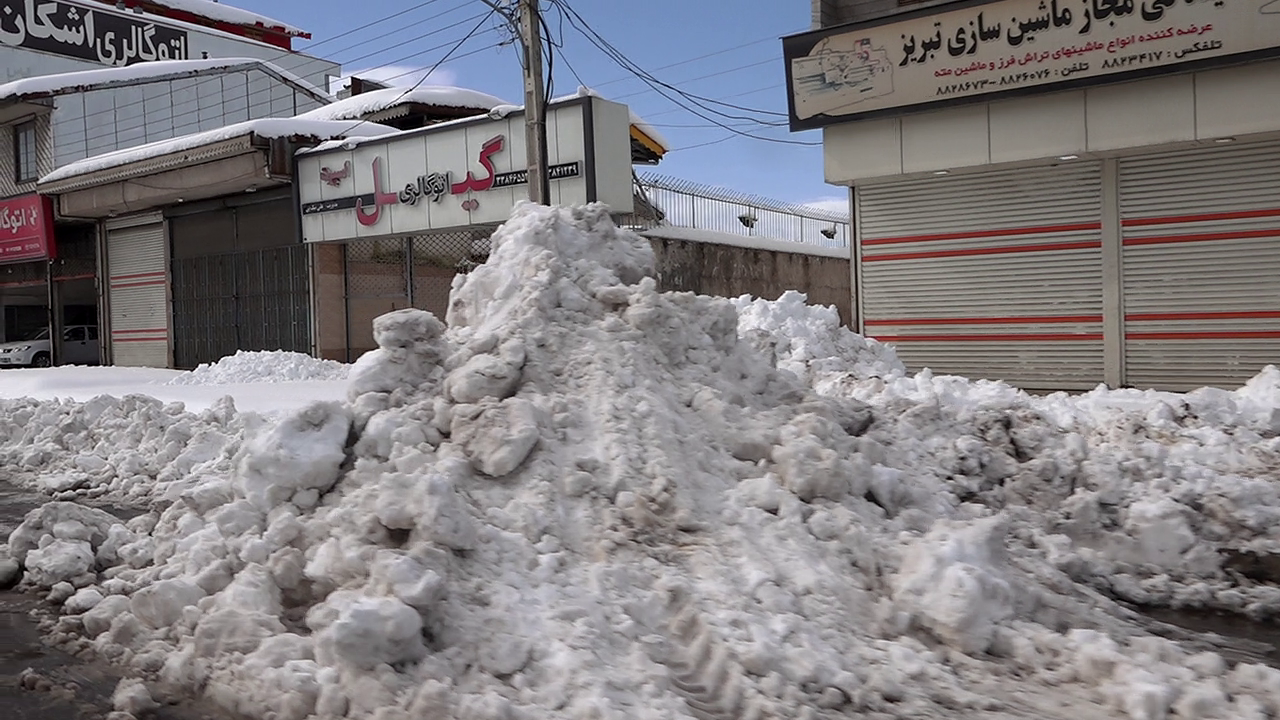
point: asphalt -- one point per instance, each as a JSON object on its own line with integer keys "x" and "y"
{"x": 41, "y": 682}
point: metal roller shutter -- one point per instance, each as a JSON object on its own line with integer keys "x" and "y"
{"x": 996, "y": 275}
{"x": 1201, "y": 249}
{"x": 138, "y": 297}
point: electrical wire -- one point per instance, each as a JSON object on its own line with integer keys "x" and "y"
{"x": 117, "y": 108}
{"x": 701, "y": 111}
{"x": 619, "y": 57}
{"x": 439, "y": 62}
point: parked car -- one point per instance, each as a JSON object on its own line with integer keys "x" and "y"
{"x": 79, "y": 347}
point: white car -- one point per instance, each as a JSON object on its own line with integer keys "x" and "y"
{"x": 79, "y": 347}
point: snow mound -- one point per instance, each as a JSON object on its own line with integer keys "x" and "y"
{"x": 582, "y": 498}
{"x": 263, "y": 366}
{"x": 809, "y": 341}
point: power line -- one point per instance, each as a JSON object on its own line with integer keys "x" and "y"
{"x": 661, "y": 88}
{"x": 619, "y": 57}
{"x": 250, "y": 104}
{"x": 204, "y": 82}
{"x": 439, "y": 62}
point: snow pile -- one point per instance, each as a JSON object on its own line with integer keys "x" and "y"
{"x": 132, "y": 447}
{"x": 582, "y": 498}
{"x": 263, "y": 366}
{"x": 809, "y": 341}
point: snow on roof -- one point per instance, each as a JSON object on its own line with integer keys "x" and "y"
{"x": 225, "y": 13}
{"x": 140, "y": 72}
{"x": 263, "y": 127}
{"x": 364, "y": 104}
{"x": 636, "y": 121}
{"x": 45, "y": 84}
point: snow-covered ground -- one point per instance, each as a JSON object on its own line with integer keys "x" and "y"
{"x": 582, "y": 498}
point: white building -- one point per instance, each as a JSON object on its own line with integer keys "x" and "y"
{"x": 1057, "y": 194}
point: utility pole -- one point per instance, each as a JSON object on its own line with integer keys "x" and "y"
{"x": 535, "y": 108}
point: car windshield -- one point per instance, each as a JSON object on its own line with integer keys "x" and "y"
{"x": 41, "y": 334}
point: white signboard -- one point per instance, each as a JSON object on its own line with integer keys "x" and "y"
{"x": 1010, "y": 46}
{"x": 466, "y": 172}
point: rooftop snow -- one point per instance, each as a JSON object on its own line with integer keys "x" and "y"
{"x": 637, "y": 122}
{"x": 263, "y": 127}
{"x": 364, "y": 104}
{"x": 141, "y": 72}
{"x": 225, "y": 13}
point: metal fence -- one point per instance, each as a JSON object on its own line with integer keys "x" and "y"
{"x": 662, "y": 200}
{"x": 388, "y": 274}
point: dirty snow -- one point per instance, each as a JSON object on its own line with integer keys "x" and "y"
{"x": 263, "y": 366}
{"x": 578, "y": 497}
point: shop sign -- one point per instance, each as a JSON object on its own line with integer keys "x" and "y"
{"x": 79, "y": 32}
{"x": 1010, "y": 47}
{"x": 429, "y": 187}
{"x": 26, "y": 228}
{"x": 463, "y": 173}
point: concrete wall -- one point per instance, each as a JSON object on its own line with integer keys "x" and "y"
{"x": 1155, "y": 114}
{"x": 729, "y": 268}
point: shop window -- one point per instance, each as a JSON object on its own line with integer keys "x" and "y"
{"x": 24, "y": 152}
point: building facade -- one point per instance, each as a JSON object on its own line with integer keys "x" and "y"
{"x": 91, "y": 77}
{"x": 1060, "y": 194}
{"x": 48, "y": 266}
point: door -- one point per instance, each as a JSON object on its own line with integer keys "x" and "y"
{"x": 992, "y": 275}
{"x": 1201, "y": 259}
{"x": 138, "y": 294}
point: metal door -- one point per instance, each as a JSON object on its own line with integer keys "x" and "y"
{"x": 138, "y": 291}
{"x": 1201, "y": 253}
{"x": 989, "y": 275}
{"x": 254, "y": 300}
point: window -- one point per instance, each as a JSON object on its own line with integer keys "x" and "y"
{"x": 93, "y": 332}
{"x": 24, "y": 152}
{"x": 75, "y": 334}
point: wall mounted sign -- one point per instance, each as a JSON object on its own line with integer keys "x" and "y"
{"x": 466, "y": 172}
{"x": 78, "y": 32}
{"x": 26, "y": 228}
{"x": 1007, "y": 47}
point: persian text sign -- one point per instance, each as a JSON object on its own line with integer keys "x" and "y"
{"x": 26, "y": 228}
{"x": 79, "y": 32}
{"x": 1008, "y": 46}
{"x": 462, "y": 173}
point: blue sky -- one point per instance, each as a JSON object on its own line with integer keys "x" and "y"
{"x": 666, "y": 34}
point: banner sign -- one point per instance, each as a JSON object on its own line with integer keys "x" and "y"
{"x": 1008, "y": 47}
{"x": 461, "y": 173}
{"x": 79, "y": 32}
{"x": 26, "y": 228}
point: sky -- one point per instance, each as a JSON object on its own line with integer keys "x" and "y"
{"x": 721, "y": 49}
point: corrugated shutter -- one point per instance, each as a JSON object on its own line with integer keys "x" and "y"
{"x": 139, "y": 298}
{"x": 1201, "y": 266}
{"x": 994, "y": 275}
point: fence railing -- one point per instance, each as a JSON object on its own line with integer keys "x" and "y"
{"x": 662, "y": 200}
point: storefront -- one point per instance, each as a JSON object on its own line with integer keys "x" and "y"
{"x": 1059, "y": 203}
{"x": 393, "y": 220}
{"x": 44, "y": 266}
